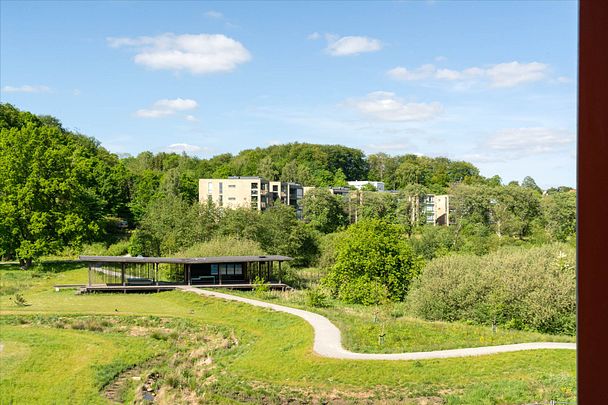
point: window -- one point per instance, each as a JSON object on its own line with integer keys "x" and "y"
{"x": 238, "y": 269}
{"x": 210, "y": 187}
{"x": 231, "y": 198}
{"x": 221, "y": 200}
{"x": 231, "y": 185}
{"x": 214, "y": 269}
{"x": 222, "y": 269}
{"x": 221, "y": 187}
{"x": 275, "y": 188}
{"x": 254, "y": 186}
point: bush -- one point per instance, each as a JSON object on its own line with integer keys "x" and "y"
{"x": 224, "y": 246}
{"x": 364, "y": 291}
{"x": 531, "y": 289}
{"x": 261, "y": 287}
{"x": 118, "y": 249}
{"x": 316, "y": 297}
{"x": 328, "y": 246}
{"x": 142, "y": 243}
{"x": 373, "y": 251}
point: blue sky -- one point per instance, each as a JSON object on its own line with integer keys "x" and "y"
{"x": 490, "y": 82}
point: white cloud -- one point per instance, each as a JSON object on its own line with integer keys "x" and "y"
{"x": 196, "y": 53}
{"x": 386, "y": 106}
{"x": 165, "y": 107}
{"x": 514, "y": 73}
{"x": 516, "y": 143}
{"x": 500, "y": 75}
{"x": 423, "y": 72}
{"x": 76, "y": 92}
{"x": 351, "y": 45}
{"x": 26, "y": 89}
{"x": 191, "y": 118}
{"x": 214, "y": 14}
{"x": 533, "y": 140}
{"x": 185, "y": 147}
{"x": 314, "y": 36}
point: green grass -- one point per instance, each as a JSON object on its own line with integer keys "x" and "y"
{"x": 54, "y": 366}
{"x": 274, "y": 362}
{"x": 362, "y": 326}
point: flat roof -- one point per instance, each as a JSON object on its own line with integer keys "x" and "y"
{"x": 184, "y": 260}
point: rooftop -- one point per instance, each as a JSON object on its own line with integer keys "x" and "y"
{"x": 184, "y": 260}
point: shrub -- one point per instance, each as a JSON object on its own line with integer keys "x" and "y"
{"x": 316, "y": 297}
{"x": 364, "y": 291}
{"x": 224, "y": 246}
{"x": 261, "y": 287}
{"x": 118, "y": 249}
{"x": 373, "y": 251}
{"x": 532, "y": 289}
{"x": 142, "y": 243}
{"x": 328, "y": 246}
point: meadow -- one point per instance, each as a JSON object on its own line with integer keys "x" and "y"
{"x": 58, "y": 347}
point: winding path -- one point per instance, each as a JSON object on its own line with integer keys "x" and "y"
{"x": 328, "y": 342}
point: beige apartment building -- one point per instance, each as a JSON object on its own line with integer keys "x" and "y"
{"x": 435, "y": 208}
{"x": 251, "y": 192}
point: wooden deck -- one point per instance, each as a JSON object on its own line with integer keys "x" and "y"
{"x": 101, "y": 288}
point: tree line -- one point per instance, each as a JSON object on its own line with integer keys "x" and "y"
{"x": 60, "y": 189}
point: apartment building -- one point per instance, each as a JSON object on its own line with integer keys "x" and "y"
{"x": 434, "y": 208}
{"x": 251, "y": 192}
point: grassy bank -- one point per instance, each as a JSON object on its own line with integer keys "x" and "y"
{"x": 273, "y": 361}
{"x": 389, "y": 329}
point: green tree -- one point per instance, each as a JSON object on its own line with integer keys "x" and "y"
{"x": 267, "y": 169}
{"x": 374, "y": 252}
{"x": 323, "y": 210}
{"x": 175, "y": 224}
{"x": 378, "y": 205}
{"x": 529, "y": 183}
{"x": 56, "y": 187}
{"x": 514, "y": 209}
{"x": 340, "y": 179}
{"x": 559, "y": 213}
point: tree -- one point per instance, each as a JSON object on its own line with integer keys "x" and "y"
{"x": 373, "y": 252}
{"x": 409, "y": 211}
{"x": 529, "y": 183}
{"x": 56, "y": 187}
{"x": 174, "y": 224}
{"x": 323, "y": 210}
{"x": 378, "y": 205}
{"x": 514, "y": 209}
{"x": 559, "y": 213}
{"x": 340, "y": 179}
{"x": 267, "y": 169}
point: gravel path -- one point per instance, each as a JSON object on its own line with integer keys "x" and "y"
{"x": 328, "y": 342}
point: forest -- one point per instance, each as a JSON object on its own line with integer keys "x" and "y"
{"x": 62, "y": 194}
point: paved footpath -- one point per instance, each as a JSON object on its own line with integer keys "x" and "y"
{"x": 328, "y": 342}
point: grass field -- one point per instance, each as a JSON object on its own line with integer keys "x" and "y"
{"x": 362, "y": 327}
{"x": 269, "y": 361}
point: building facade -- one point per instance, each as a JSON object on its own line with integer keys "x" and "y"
{"x": 250, "y": 192}
{"x": 435, "y": 209}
